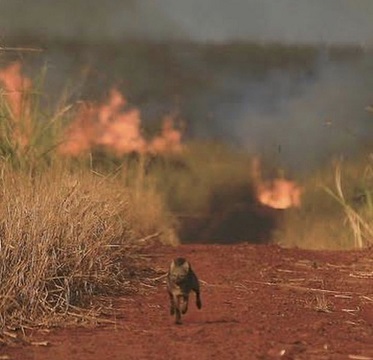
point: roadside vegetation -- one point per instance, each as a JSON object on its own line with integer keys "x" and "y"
{"x": 69, "y": 235}
{"x": 337, "y": 210}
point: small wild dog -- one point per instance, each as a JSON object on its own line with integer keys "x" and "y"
{"x": 181, "y": 280}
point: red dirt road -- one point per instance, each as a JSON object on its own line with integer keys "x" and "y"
{"x": 259, "y": 302}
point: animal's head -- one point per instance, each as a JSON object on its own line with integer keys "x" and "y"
{"x": 179, "y": 269}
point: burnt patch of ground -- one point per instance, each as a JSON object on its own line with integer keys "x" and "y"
{"x": 259, "y": 302}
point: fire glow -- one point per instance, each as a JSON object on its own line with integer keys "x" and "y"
{"x": 115, "y": 126}
{"x": 16, "y": 91}
{"x": 278, "y": 193}
{"x": 112, "y": 125}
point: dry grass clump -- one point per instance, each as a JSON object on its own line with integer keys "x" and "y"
{"x": 65, "y": 238}
{"x": 358, "y": 206}
{"x": 337, "y": 210}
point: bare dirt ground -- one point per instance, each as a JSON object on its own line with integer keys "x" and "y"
{"x": 259, "y": 302}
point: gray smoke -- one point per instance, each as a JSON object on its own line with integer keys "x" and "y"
{"x": 297, "y": 120}
{"x": 308, "y": 121}
{"x": 327, "y": 21}
{"x": 86, "y": 20}
{"x": 276, "y": 20}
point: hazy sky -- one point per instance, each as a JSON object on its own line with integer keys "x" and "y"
{"x": 204, "y": 20}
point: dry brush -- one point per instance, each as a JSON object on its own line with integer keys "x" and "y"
{"x": 66, "y": 238}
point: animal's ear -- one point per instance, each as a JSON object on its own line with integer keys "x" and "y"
{"x": 172, "y": 266}
{"x": 186, "y": 265}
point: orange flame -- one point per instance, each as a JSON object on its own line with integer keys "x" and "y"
{"x": 278, "y": 193}
{"x": 169, "y": 140}
{"x": 80, "y": 132}
{"x": 113, "y": 126}
{"x": 17, "y": 87}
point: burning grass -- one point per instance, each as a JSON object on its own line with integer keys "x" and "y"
{"x": 29, "y": 133}
{"x": 116, "y": 127}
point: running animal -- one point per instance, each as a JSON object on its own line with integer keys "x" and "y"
{"x": 181, "y": 280}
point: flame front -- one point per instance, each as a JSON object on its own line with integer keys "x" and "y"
{"x": 115, "y": 126}
{"x": 112, "y": 125}
{"x": 278, "y": 193}
{"x": 169, "y": 139}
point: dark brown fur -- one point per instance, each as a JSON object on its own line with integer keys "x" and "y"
{"x": 181, "y": 280}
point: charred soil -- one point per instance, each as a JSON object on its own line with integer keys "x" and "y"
{"x": 259, "y": 302}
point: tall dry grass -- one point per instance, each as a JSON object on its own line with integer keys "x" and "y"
{"x": 337, "y": 209}
{"x": 66, "y": 238}
{"x": 358, "y": 208}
